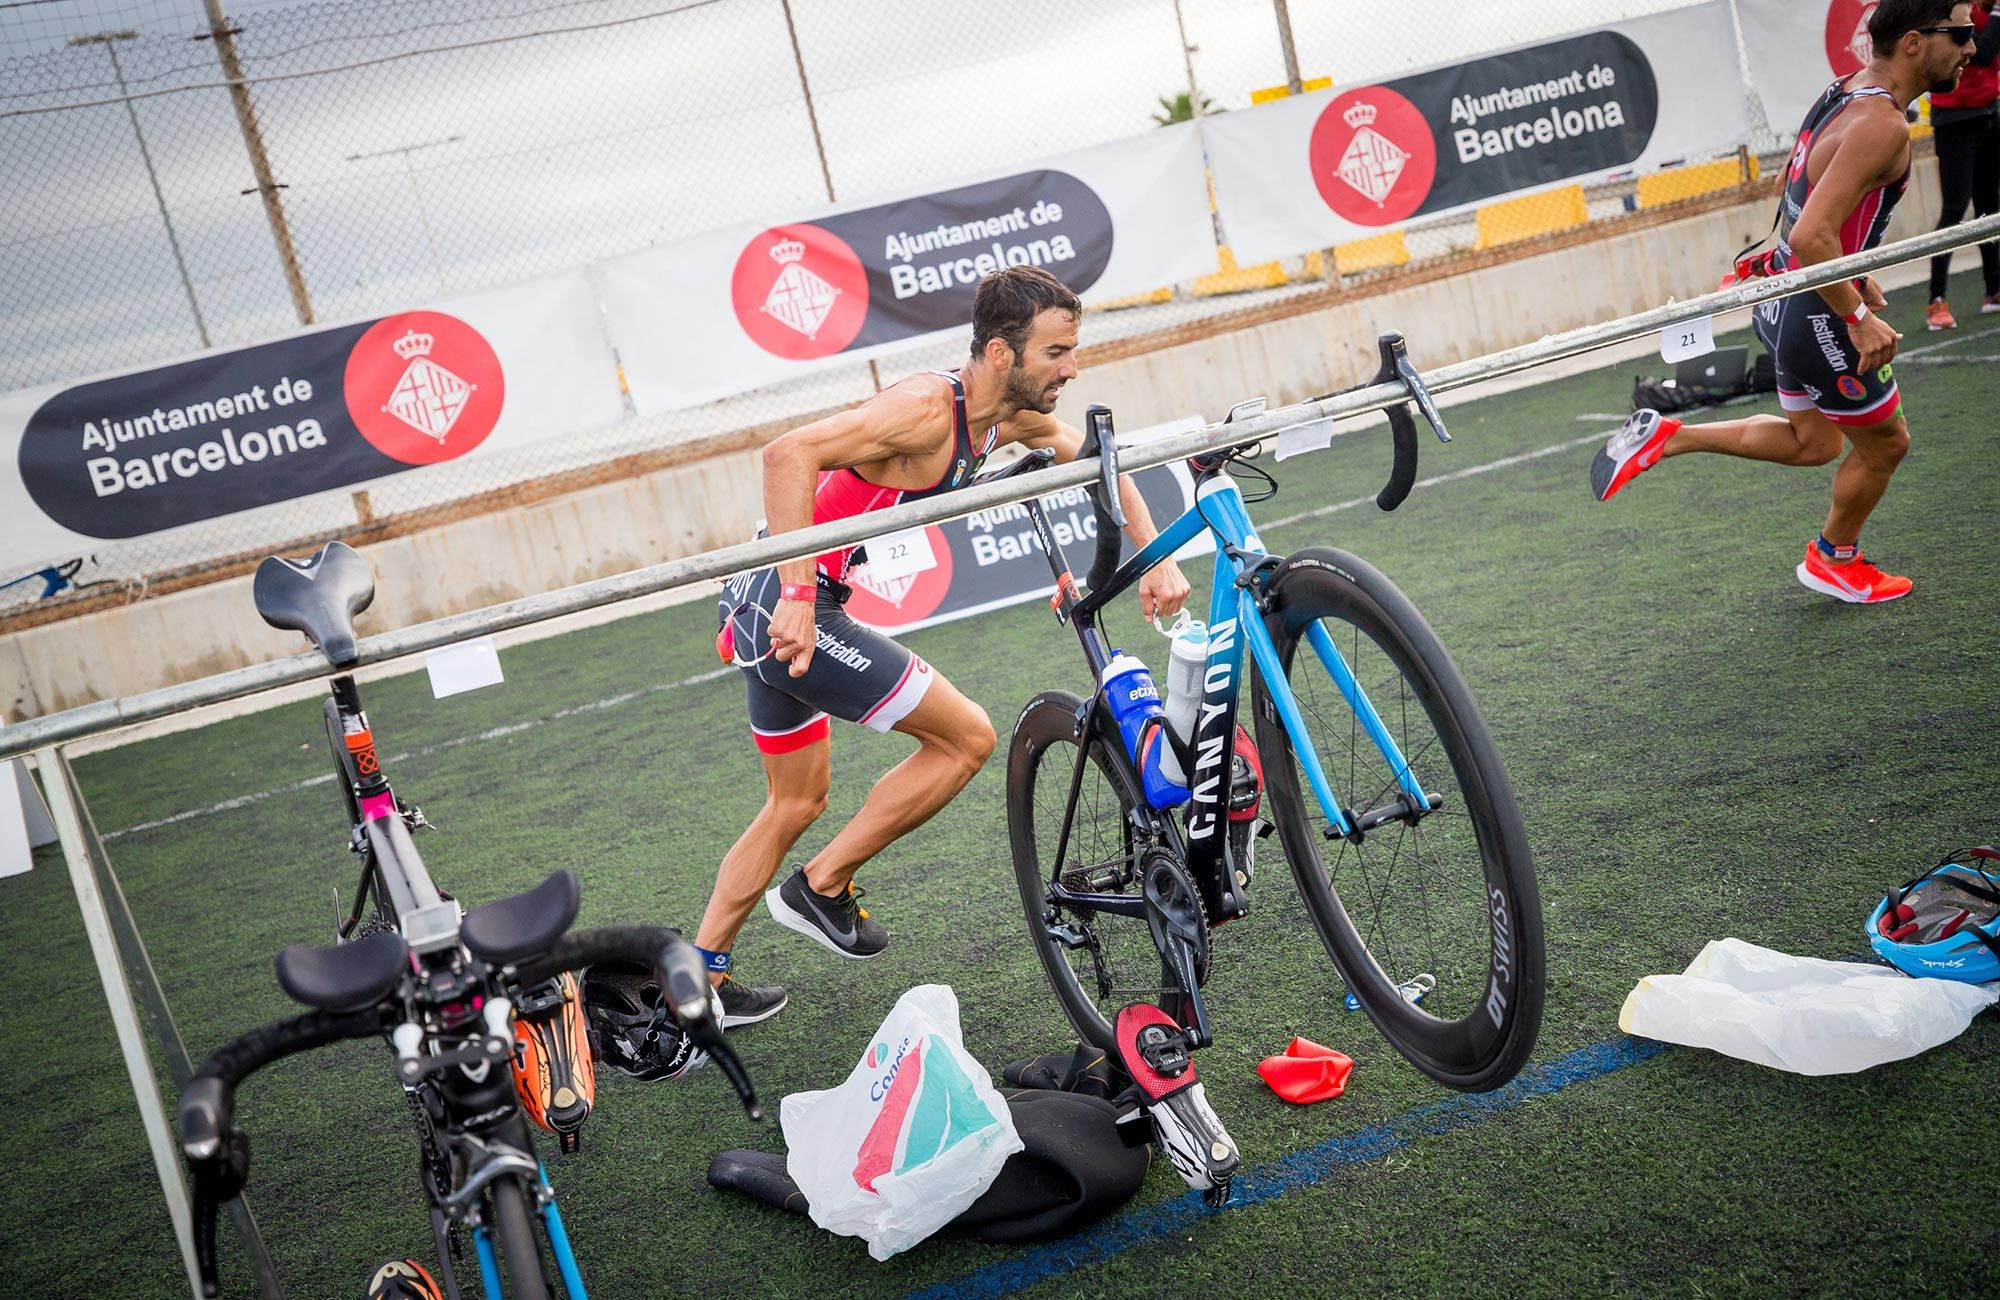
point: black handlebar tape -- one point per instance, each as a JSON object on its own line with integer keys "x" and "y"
{"x": 211, "y": 1095}
{"x": 652, "y": 945}
{"x": 1403, "y": 474}
{"x": 580, "y": 948}
{"x": 208, "y": 1107}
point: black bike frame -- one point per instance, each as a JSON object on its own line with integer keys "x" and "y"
{"x": 391, "y": 865}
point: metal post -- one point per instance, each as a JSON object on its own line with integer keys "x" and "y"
{"x": 1187, "y": 61}
{"x": 1285, "y": 42}
{"x": 140, "y": 976}
{"x": 109, "y": 41}
{"x": 1329, "y": 267}
{"x": 260, "y": 163}
{"x": 118, "y": 997}
{"x": 819, "y": 144}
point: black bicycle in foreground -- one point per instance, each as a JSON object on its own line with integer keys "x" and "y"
{"x": 441, "y": 985}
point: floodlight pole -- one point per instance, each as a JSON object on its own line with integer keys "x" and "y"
{"x": 267, "y": 188}
{"x": 109, "y": 41}
{"x": 1292, "y": 82}
{"x": 819, "y": 144}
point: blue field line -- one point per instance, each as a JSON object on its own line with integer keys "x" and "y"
{"x": 1300, "y": 1169}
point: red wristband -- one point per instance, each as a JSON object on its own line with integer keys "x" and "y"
{"x": 1856, "y": 316}
{"x": 805, "y": 591}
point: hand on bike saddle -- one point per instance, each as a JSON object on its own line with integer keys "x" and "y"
{"x": 1163, "y": 590}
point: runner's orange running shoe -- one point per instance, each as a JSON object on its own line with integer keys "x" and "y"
{"x": 1857, "y": 582}
{"x": 1938, "y": 315}
{"x": 1631, "y": 451}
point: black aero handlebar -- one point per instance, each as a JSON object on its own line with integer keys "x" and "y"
{"x": 218, "y": 1154}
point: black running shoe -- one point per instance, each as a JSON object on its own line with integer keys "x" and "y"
{"x": 746, "y": 1004}
{"x": 838, "y": 922}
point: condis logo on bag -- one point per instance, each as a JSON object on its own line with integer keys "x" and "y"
{"x": 928, "y": 1107}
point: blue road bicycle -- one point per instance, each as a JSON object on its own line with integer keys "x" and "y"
{"x": 1388, "y": 795}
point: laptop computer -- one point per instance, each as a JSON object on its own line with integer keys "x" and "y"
{"x": 1721, "y": 371}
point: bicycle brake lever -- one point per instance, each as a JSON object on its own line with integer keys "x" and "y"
{"x": 686, "y": 983}
{"x": 710, "y": 1037}
{"x": 1421, "y": 394}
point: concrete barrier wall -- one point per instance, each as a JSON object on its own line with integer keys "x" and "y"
{"x": 689, "y": 509}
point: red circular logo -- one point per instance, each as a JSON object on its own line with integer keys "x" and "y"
{"x": 800, "y": 292}
{"x": 899, "y": 602}
{"x": 423, "y": 387}
{"x": 1372, "y": 156}
{"x": 1850, "y": 388}
{"x": 1848, "y": 47}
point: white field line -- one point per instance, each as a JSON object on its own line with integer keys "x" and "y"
{"x": 1487, "y": 468}
{"x": 493, "y": 733}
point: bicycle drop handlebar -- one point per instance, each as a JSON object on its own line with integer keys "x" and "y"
{"x": 1395, "y": 368}
{"x": 218, "y": 1153}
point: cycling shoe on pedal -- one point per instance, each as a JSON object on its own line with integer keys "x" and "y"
{"x": 1155, "y": 1053}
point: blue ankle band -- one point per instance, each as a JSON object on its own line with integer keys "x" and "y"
{"x": 1832, "y": 552}
{"x": 715, "y": 961}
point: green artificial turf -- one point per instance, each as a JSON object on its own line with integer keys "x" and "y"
{"x": 1700, "y": 747}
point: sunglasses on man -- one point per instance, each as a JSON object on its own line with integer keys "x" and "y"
{"x": 1961, "y": 34}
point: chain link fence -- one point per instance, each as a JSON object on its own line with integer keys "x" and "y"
{"x": 383, "y": 154}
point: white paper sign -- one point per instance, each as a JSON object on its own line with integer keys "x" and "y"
{"x": 1687, "y": 340}
{"x": 466, "y": 666}
{"x": 1300, "y": 439}
{"x": 899, "y": 555}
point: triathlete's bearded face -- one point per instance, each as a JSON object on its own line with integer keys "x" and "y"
{"x": 1945, "y": 60}
{"x": 1046, "y": 361}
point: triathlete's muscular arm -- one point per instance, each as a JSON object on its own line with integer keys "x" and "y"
{"x": 1870, "y": 152}
{"x": 904, "y": 419}
{"x": 1164, "y": 589}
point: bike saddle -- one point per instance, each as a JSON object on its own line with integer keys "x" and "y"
{"x": 318, "y": 597}
{"x": 508, "y": 929}
{"x": 347, "y": 976}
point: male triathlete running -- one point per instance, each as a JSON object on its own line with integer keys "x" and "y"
{"x": 915, "y": 439}
{"x": 1850, "y": 166}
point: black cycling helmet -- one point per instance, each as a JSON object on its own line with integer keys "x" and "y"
{"x": 631, "y": 1028}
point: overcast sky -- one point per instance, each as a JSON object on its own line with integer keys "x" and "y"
{"x": 576, "y": 146}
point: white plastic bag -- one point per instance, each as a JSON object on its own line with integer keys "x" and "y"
{"x": 913, "y": 1137}
{"x": 1800, "y": 1013}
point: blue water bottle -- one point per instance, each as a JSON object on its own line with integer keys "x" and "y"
{"x": 1135, "y": 702}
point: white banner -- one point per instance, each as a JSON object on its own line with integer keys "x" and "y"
{"x": 144, "y": 451}
{"x": 1339, "y": 165}
{"x": 736, "y": 309}
{"x": 1795, "y": 51}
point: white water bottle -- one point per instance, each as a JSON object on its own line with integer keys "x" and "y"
{"x": 1184, "y": 674}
